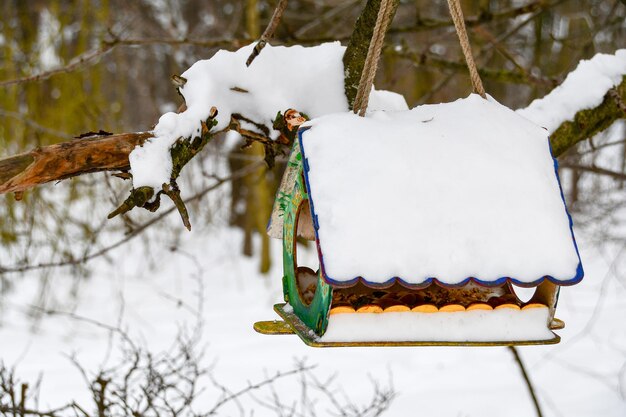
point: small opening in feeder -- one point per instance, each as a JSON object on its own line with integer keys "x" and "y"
{"x": 305, "y": 254}
{"x": 523, "y": 293}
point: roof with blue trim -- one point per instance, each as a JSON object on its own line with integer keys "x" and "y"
{"x": 452, "y": 192}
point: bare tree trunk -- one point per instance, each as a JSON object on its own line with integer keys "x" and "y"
{"x": 354, "y": 57}
{"x": 259, "y": 197}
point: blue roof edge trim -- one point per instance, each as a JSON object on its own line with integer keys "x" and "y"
{"x": 393, "y": 280}
{"x": 580, "y": 273}
{"x": 432, "y": 280}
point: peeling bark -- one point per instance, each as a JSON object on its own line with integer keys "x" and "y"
{"x": 68, "y": 159}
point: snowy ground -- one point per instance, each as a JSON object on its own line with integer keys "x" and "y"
{"x": 583, "y": 376}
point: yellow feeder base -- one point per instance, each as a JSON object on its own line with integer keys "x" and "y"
{"x": 292, "y": 324}
{"x": 273, "y": 327}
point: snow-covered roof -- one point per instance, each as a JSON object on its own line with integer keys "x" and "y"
{"x": 452, "y": 192}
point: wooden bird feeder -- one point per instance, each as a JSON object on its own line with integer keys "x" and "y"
{"x": 425, "y": 222}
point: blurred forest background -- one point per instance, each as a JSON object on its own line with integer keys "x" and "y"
{"x": 73, "y": 66}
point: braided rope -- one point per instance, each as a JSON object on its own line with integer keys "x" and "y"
{"x": 383, "y": 19}
{"x": 459, "y": 23}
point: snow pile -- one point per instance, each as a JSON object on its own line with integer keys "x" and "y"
{"x": 462, "y": 326}
{"x": 584, "y": 88}
{"x": 307, "y": 79}
{"x": 449, "y": 191}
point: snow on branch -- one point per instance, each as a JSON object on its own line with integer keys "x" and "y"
{"x": 588, "y": 122}
{"x": 307, "y": 79}
{"x": 245, "y": 99}
{"x": 312, "y": 80}
{"x": 584, "y": 88}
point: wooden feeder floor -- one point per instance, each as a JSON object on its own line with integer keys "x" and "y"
{"x": 292, "y": 324}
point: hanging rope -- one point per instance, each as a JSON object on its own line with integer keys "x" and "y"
{"x": 459, "y": 24}
{"x": 385, "y": 13}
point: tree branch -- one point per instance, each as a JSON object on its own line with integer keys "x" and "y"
{"x": 231, "y": 396}
{"x": 425, "y": 24}
{"x": 529, "y": 385}
{"x": 268, "y": 34}
{"x": 596, "y": 170}
{"x": 587, "y": 123}
{"x": 183, "y": 150}
{"x": 105, "y": 47}
{"x": 31, "y": 123}
{"x": 427, "y": 59}
{"x": 68, "y": 159}
{"x": 73, "y": 64}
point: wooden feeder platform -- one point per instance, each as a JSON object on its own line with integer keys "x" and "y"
{"x": 292, "y": 324}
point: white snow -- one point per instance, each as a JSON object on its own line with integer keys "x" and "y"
{"x": 462, "y": 326}
{"x": 583, "y": 88}
{"x": 383, "y": 100}
{"x": 590, "y": 355}
{"x": 156, "y": 291}
{"x": 309, "y": 79}
{"x": 451, "y": 191}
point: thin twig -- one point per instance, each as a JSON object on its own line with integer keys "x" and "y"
{"x": 594, "y": 169}
{"x": 137, "y": 231}
{"x": 105, "y": 47}
{"x": 74, "y": 316}
{"x": 340, "y": 8}
{"x": 269, "y": 31}
{"x": 214, "y": 43}
{"x": 428, "y": 59}
{"x": 256, "y": 386}
{"x": 73, "y": 64}
{"x": 529, "y": 384}
{"x": 484, "y": 18}
{"x": 31, "y": 123}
